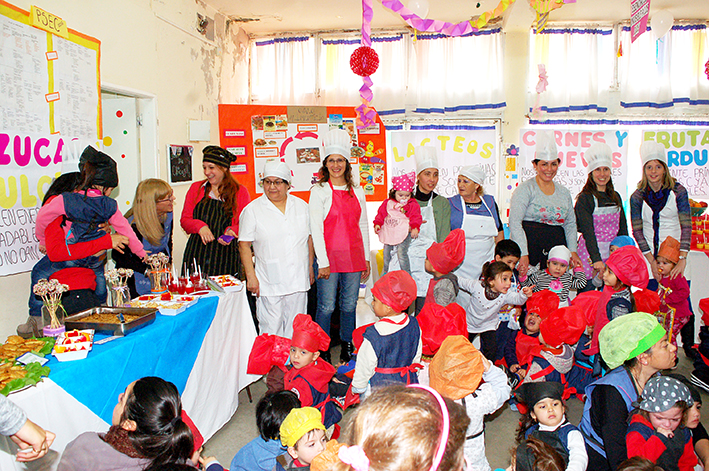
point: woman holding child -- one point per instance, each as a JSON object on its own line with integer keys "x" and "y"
{"x": 541, "y": 211}
{"x": 635, "y": 346}
{"x": 599, "y": 214}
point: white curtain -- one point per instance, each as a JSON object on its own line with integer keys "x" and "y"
{"x": 457, "y": 74}
{"x": 283, "y": 71}
{"x": 579, "y": 64}
{"x": 339, "y": 86}
{"x": 666, "y": 72}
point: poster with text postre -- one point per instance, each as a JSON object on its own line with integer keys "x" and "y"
{"x": 28, "y": 163}
{"x": 687, "y": 157}
{"x": 456, "y": 148}
{"x": 571, "y": 146}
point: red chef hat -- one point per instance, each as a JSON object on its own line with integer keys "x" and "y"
{"x": 396, "y": 289}
{"x": 268, "y": 350}
{"x": 647, "y": 301}
{"x": 629, "y": 266}
{"x": 308, "y": 335}
{"x": 587, "y": 302}
{"x": 565, "y": 325}
{"x": 543, "y": 303}
{"x": 704, "y": 306}
{"x": 446, "y": 256}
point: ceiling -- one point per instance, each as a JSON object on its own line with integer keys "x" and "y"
{"x": 274, "y": 16}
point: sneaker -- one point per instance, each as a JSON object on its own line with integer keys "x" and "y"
{"x": 31, "y": 328}
{"x": 699, "y": 382}
{"x": 513, "y": 406}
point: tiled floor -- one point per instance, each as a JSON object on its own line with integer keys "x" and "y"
{"x": 500, "y": 429}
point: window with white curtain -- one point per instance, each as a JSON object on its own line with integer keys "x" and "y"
{"x": 427, "y": 74}
{"x": 340, "y": 86}
{"x": 457, "y": 74}
{"x": 579, "y": 65}
{"x": 283, "y": 71}
{"x": 666, "y": 72}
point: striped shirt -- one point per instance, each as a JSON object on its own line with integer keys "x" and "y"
{"x": 541, "y": 279}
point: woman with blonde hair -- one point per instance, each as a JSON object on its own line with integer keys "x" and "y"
{"x": 151, "y": 220}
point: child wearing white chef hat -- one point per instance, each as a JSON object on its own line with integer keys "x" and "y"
{"x": 557, "y": 277}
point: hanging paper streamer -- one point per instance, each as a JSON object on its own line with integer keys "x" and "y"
{"x": 706, "y": 69}
{"x": 541, "y": 88}
{"x": 364, "y": 62}
{"x": 443, "y": 27}
{"x": 543, "y": 7}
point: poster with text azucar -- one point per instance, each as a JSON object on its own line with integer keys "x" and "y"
{"x": 28, "y": 163}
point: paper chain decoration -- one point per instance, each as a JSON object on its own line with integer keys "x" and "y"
{"x": 366, "y": 115}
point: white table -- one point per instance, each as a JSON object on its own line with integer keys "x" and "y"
{"x": 211, "y": 394}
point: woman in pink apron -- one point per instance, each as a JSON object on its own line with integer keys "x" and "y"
{"x": 338, "y": 224}
{"x": 600, "y": 217}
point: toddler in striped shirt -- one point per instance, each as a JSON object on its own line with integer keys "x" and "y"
{"x": 557, "y": 277}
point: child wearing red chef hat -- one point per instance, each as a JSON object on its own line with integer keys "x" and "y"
{"x": 391, "y": 349}
{"x": 555, "y": 356}
{"x": 308, "y": 375}
{"x": 441, "y": 316}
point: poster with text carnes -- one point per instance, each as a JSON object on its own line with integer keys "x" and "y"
{"x": 28, "y": 163}
{"x": 687, "y": 157}
{"x": 456, "y": 148}
{"x": 572, "y": 145}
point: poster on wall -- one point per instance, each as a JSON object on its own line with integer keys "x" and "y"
{"x": 571, "y": 146}
{"x": 180, "y": 163}
{"x": 687, "y": 157}
{"x": 294, "y": 134}
{"x": 456, "y": 148}
{"x": 28, "y": 163}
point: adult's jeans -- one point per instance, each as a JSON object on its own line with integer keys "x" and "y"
{"x": 347, "y": 285}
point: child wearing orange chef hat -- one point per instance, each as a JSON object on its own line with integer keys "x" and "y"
{"x": 673, "y": 289}
{"x": 391, "y": 349}
{"x": 308, "y": 375}
{"x": 441, "y": 316}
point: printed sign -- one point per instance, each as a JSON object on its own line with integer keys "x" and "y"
{"x": 687, "y": 157}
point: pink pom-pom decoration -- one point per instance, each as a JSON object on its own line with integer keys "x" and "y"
{"x": 364, "y": 61}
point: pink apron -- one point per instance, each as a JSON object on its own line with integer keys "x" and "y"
{"x": 396, "y": 224}
{"x": 606, "y": 223}
{"x": 343, "y": 238}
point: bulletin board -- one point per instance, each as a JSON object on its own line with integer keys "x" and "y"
{"x": 256, "y": 133}
{"x": 50, "y": 84}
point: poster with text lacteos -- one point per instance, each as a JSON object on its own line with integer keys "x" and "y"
{"x": 687, "y": 157}
{"x": 571, "y": 145}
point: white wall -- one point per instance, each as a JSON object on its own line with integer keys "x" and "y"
{"x": 152, "y": 47}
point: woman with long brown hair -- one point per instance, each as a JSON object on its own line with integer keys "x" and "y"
{"x": 211, "y": 215}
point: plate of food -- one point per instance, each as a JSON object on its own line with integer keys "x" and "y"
{"x": 225, "y": 283}
{"x": 14, "y": 376}
{"x": 73, "y": 345}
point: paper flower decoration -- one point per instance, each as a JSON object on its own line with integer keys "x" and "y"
{"x": 543, "y": 82}
{"x": 512, "y": 150}
{"x": 364, "y": 61}
{"x": 706, "y": 69}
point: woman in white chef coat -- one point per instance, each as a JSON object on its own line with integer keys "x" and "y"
{"x": 477, "y": 214}
{"x": 277, "y": 226}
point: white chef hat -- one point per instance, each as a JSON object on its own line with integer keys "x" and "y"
{"x": 337, "y": 141}
{"x": 426, "y": 157}
{"x": 651, "y": 150}
{"x": 474, "y": 172}
{"x": 546, "y": 146}
{"x": 560, "y": 254}
{"x": 277, "y": 168}
{"x": 598, "y": 155}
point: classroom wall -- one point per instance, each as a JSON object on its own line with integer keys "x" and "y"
{"x": 150, "y": 46}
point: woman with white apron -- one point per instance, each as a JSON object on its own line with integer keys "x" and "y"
{"x": 477, "y": 214}
{"x": 436, "y": 214}
{"x": 600, "y": 217}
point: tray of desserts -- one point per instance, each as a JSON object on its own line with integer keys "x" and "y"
{"x": 225, "y": 283}
{"x": 116, "y": 320}
{"x": 167, "y": 303}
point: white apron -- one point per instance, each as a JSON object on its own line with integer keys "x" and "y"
{"x": 480, "y": 233}
{"x": 418, "y": 247}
